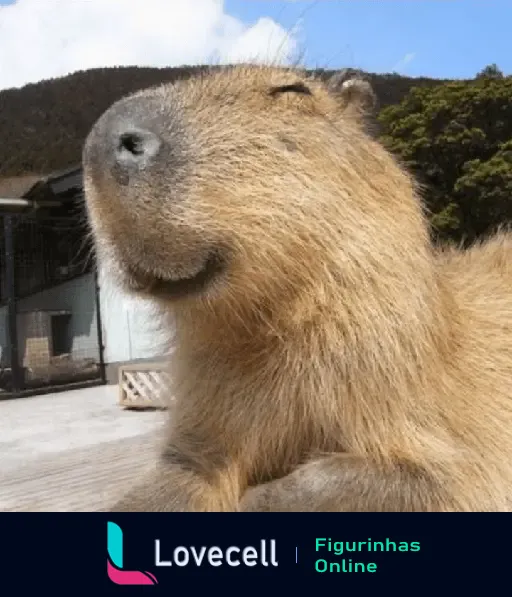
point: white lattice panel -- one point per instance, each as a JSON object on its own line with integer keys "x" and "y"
{"x": 144, "y": 385}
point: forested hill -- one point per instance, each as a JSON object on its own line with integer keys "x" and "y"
{"x": 43, "y": 125}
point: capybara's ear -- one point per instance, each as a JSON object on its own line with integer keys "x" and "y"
{"x": 354, "y": 92}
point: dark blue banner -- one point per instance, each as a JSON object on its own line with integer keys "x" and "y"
{"x": 408, "y": 554}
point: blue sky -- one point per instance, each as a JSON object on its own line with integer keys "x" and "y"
{"x": 438, "y": 38}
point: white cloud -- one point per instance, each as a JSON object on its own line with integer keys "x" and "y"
{"x": 40, "y": 39}
{"x": 403, "y": 62}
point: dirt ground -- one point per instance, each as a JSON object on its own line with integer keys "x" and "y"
{"x": 72, "y": 451}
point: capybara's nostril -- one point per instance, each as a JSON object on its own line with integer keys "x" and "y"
{"x": 137, "y": 147}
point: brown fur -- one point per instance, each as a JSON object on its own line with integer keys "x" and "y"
{"x": 338, "y": 362}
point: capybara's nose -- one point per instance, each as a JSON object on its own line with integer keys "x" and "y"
{"x": 135, "y": 146}
{"x": 135, "y": 138}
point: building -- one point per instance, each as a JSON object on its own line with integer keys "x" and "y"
{"x": 61, "y": 322}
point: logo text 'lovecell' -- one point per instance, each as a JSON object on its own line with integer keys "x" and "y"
{"x": 233, "y": 556}
{"x": 263, "y": 555}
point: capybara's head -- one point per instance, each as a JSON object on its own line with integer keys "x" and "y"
{"x": 244, "y": 184}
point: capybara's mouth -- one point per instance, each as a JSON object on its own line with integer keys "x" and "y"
{"x": 167, "y": 288}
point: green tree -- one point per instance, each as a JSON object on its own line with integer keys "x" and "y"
{"x": 484, "y": 191}
{"x": 490, "y": 71}
{"x": 456, "y": 139}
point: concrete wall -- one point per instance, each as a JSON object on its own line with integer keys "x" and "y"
{"x": 132, "y": 329}
{"x": 75, "y": 296}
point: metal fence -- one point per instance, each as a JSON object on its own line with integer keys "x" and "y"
{"x": 50, "y": 328}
